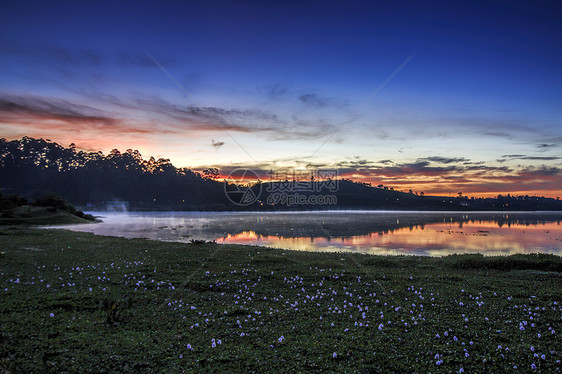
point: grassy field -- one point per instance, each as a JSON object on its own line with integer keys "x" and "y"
{"x": 39, "y": 215}
{"x": 75, "y": 302}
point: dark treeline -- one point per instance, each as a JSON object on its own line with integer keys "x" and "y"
{"x": 358, "y": 195}
{"x": 37, "y": 167}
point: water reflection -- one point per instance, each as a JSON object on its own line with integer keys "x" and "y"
{"x": 422, "y": 233}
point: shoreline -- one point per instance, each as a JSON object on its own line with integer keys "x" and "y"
{"x": 362, "y": 211}
{"x": 30, "y": 215}
{"x": 428, "y": 234}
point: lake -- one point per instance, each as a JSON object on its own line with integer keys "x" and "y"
{"x": 374, "y": 232}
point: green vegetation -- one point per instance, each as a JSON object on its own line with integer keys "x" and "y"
{"x": 57, "y": 202}
{"x": 47, "y": 210}
{"x": 75, "y": 302}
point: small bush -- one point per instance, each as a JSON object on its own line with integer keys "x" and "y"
{"x": 56, "y": 202}
{"x": 114, "y": 307}
{"x": 12, "y": 201}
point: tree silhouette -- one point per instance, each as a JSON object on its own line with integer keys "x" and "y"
{"x": 211, "y": 173}
{"x": 35, "y": 167}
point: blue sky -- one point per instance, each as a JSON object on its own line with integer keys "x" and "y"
{"x": 475, "y": 105}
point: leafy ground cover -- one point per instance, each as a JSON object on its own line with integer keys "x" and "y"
{"x": 75, "y": 302}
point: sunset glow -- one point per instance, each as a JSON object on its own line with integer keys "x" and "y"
{"x": 436, "y": 97}
{"x": 433, "y": 240}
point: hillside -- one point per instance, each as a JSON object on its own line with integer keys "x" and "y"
{"x": 48, "y": 210}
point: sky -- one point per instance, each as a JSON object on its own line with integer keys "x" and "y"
{"x": 434, "y": 96}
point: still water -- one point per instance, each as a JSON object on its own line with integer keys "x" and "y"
{"x": 375, "y": 232}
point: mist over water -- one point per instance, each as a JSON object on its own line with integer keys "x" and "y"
{"x": 380, "y": 232}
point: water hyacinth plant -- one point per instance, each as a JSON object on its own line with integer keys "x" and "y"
{"x": 237, "y": 308}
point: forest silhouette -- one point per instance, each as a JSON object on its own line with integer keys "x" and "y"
{"x": 37, "y": 167}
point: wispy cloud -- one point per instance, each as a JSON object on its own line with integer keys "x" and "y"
{"x": 474, "y": 179}
{"x": 153, "y": 114}
{"x": 424, "y": 176}
{"x": 505, "y": 158}
{"x": 216, "y": 145}
{"x": 444, "y": 160}
{"x": 16, "y": 109}
{"x": 312, "y": 100}
{"x": 273, "y": 91}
